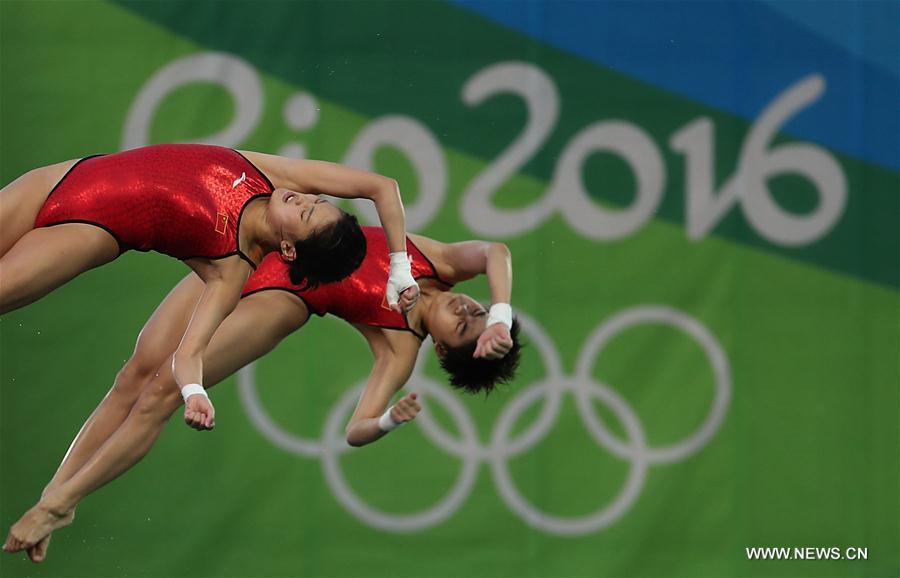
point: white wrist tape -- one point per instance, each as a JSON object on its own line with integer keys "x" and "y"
{"x": 400, "y": 260}
{"x": 500, "y": 313}
{"x": 387, "y": 423}
{"x": 193, "y": 389}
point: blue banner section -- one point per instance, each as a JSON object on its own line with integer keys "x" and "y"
{"x": 736, "y": 56}
{"x": 867, "y": 29}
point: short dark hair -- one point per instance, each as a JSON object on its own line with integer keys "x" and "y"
{"x": 330, "y": 254}
{"x": 475, "y": 375}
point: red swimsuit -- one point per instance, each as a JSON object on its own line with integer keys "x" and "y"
{"x": 182, "y": 200}
{"x": 357, "y": 299}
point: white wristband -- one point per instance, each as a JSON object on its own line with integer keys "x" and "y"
{"x": 500, "y": 313}
{"x": 193, "y": 389}
{"x": 387, "y": 423}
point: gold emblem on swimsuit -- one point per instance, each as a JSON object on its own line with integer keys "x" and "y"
{"x": 221, "y": 223}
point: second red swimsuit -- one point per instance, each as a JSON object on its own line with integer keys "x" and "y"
{"x": 182, "y": 200}
{"x": 357, "y": 299}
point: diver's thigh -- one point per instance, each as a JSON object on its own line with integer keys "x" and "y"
{"x": 254, "y": 328}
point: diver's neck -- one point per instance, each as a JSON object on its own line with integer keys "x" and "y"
{"x": 257, "y": 234}
{"x": 418, "y": 317}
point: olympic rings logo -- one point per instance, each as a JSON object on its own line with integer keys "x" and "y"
{"x": 634, "y": 449}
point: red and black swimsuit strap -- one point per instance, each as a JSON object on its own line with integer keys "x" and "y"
{"x": 265, "y": 177}
{"x": 433, "y": 274}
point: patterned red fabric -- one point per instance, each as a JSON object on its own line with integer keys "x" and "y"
{"x": 357, "y": 299}
{"x": 183, "y": 200}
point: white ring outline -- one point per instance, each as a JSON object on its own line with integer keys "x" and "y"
{"x": 605, "y": 515}
{"x": 446, "y": 507}
{"x": 693, "y": 328}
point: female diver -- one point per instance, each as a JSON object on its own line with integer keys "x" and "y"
{"x": 219, "y": 210}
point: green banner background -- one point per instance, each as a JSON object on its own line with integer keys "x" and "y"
{"x": 807, "y": 453}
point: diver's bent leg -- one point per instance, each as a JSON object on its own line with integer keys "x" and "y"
{"x": 254, "y": 328}
{"x": 155, "y": 343}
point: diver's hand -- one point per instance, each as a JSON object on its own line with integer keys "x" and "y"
{"x": 494, "y": 342}
{"x": 406, "y": 409}
{"x": 199, "y": 412}
{"x": 402, "y": 290}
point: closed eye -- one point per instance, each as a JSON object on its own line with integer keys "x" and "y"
{"x": 465, "y": 324}
{"x": 313, "y": 208}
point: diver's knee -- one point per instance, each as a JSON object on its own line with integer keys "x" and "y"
{"x": 159, "y": 399}
{"x": 133, "y": 377}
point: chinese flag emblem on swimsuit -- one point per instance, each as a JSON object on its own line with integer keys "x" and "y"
{"x": 221, "y": 223}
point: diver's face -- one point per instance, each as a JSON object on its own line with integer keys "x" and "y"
{"x": 455, "y": 319}
{"x": 298, "y": 215}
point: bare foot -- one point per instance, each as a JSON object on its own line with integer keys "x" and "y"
{"x": 35, "y": 525}
{"x": 38, "y": 552}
